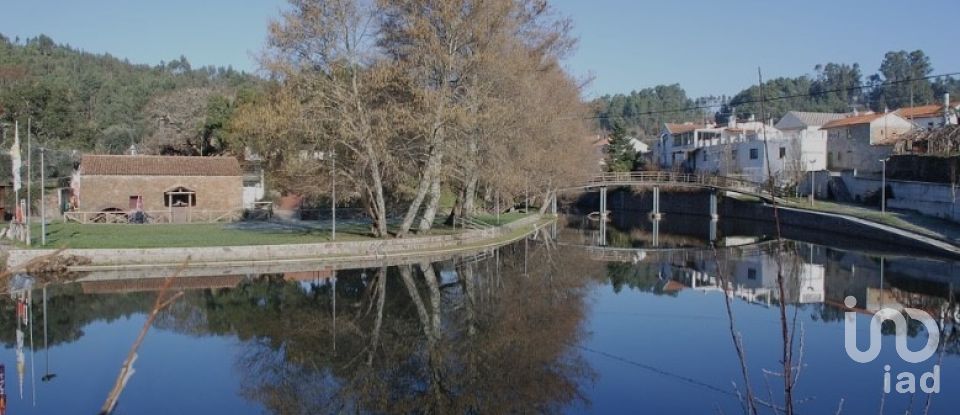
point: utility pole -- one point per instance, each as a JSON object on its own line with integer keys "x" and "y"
{"x": 333, "y": 196}
{"x": 29, "y": 180}
{"x": 883, "y": 189}
{"x": 43, "y": 204}
{"x": 16, "y": 187}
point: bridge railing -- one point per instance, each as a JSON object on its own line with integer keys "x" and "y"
{"x": 667, "y": 178}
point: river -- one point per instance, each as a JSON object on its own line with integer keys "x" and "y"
{"x": 581, "y": 318}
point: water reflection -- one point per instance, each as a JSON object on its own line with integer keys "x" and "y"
{"x": 543, "y": 325}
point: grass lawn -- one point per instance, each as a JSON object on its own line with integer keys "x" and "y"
{"x": 75, "y": 235}
{"x": 78, "y": 236}
{"x": 899, "y": 219}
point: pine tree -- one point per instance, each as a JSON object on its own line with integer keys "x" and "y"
{"x": 621, "y": 156}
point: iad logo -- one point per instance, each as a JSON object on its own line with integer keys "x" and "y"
{"x": 906, "y": 381}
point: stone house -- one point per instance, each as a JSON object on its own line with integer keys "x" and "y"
{"x": 859, "y": 142}
{"x": 171, "y": 184}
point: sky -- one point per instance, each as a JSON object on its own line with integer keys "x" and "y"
{"x": 709, "y": 47}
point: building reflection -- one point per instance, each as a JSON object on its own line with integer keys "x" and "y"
{"x": 813, "y": 274}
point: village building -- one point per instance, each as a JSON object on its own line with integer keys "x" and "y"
{"x": 751, "y": 150}
{"x": 177, "y": 187}
{"x": 858, "y": 142}
{"x": 932, "y": 116}
{"x": 804, "y": 127}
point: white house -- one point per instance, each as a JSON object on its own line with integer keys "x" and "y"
{"x": 805, "y": 128}
{"x": 639, "y": 146}
{"x": 752, "y": 150}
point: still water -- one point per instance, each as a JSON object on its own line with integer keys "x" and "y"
{"x": 624, "y": 318}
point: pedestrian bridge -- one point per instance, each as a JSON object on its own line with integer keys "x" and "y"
{"x": 679, "y": 255}
{"x": 667, "y": 179}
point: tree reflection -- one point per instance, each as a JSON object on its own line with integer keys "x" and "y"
{"x": 475, "y": 337}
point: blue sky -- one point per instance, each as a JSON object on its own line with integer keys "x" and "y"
{"x": 709, "y": 47}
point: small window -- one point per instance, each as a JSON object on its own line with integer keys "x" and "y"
{"x": 733, "y": 155}
{"x": 783, "y": 153}
{"x": 754, "y": 154}
{"x": 704, "y": 156}
{"x": 752, "y": 273}
{"x": 839, "y": 156}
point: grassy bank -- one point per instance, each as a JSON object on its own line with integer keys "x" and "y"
{"x": 92, "y": 236}
{"x": 910, "y": 221}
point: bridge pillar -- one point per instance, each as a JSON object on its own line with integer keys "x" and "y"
{"x": 655, "y": 214}
{"x": 603, "y": 203}
{"x": 603, "y": 232}
{"x": 714, "y": 214}
{"x": 713, "y": 230}
{"x": 656, "y": 233}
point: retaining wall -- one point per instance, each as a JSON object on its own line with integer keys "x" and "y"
{"x": 239, "y": 254}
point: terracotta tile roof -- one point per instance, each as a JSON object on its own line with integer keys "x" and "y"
{"x": 924, "y": 111}
{"x": 682, "y": 128}
{"x": 852, "y": 120}
{"x": 103, "y": 165}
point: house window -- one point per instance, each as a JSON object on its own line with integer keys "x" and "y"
{"x": 783, "y": 153}
{"x": 754, "y": 154}
{"x": 733, "y": 155}
{"x": 180, "y": 196}
{"x": 752, "y": 273}
{"x": 839, "y": 156}
{"x": 133, "y": 202}
{"x": 704, "y": 156}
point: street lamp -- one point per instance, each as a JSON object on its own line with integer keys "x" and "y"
{"x": 883, "y": 188}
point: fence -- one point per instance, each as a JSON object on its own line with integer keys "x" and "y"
{"x": 154, "y": 217}
{"x": 683, "y": 179}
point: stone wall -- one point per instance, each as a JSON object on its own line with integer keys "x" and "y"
{"x": 265, "y": 253}
{"x": 216, "y": 193}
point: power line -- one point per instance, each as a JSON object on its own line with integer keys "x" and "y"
{"x": 866, "y": 85}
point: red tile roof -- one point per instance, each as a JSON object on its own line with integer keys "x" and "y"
{"x": 852, "y": 120}
{"x": 924, "y": 111}
{"x": 104, "y": 165}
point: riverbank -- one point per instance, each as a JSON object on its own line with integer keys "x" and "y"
{"x": 824, "y": 224}
{"x": 931, "y": 226}
{"x": 844, "y": 225}
{"x": 272, "y": 232}
{"x": 351, "y": 250}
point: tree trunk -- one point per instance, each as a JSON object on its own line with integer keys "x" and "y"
{"x": 434, "y": 163}
{"x": 547, "y": 199}
{"x": 414, "y": 207}
{"x": 379, "y": 214}
{"x": 430, "y": 211}
{"x": 469, "y": 207}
